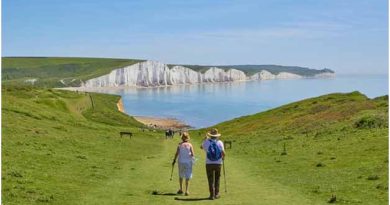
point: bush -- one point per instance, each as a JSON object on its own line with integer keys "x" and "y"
{"x": 371, "y": 121}
{"x": 373, "y": 177}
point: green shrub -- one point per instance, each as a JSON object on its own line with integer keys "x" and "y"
{"x": 371, "y": 121}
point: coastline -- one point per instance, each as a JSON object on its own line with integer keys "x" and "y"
{"x": 155, "y": 122}
{"x": 120, "y": 106}
{"x": 162, "y": 123}
{"x": 120, "y": 87}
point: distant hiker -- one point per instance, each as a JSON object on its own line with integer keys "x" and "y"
{"x": 185, "y": 152}
{"x": 167, "y": 133}
{"x": 215, "y": 154}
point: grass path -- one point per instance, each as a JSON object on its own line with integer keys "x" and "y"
{"x": 138, "y": 179}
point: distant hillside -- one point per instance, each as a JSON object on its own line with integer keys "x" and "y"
{"x": 65, "y": 72}
{"x": 58, "y": 72}
{"x": 274, "y": 69}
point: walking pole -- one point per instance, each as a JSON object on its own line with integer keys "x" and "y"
{"x": 173, "y": 164}
{"x": 224, "y": 175}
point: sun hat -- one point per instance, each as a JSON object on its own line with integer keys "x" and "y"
{"x": 213, "y": 133}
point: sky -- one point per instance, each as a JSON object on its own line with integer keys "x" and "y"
{"x": 348, "y": 36}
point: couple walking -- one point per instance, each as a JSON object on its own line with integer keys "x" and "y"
{"x": 215, "y": 154}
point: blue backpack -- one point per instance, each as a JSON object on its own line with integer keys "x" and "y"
{"x": 214, "y": 152}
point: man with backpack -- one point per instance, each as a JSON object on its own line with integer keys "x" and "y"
{"x": 215, "y": 154}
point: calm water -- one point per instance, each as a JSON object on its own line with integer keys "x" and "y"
{"x": 208, "y": 104}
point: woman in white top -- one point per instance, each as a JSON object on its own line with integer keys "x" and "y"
{"x": 185, "y": 152}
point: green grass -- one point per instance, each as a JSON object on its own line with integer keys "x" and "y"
{"x": 335, "y": 144}
{"x": 49, "y": 71}
{"x": 58, "y": 148}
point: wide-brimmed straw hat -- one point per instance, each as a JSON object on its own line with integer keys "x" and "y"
{"x": 213, "y": 133}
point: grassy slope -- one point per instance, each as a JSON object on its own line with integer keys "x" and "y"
{"x": 55, "y": 147}
{"x": 49, "y": 71}
{"x": 335, "y": 144}
{"x": 58, "y": 150}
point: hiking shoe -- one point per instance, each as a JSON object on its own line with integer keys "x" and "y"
{"x": 180, "y": 192}
{"x": 187, "y": 193}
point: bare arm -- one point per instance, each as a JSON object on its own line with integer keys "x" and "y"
{"x": 192, "y": 151}
{"x": 223, "y": 151}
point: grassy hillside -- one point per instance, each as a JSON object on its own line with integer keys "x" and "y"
{"x": 57, "y": 72}
{"x": 58, "y": 148}
{"x": 335, "y": 144}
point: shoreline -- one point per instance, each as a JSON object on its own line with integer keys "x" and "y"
{"x": 120, "y": 106}
{"x": 149, "y": 121}
{"x": 161, "y": 123}
{"x": 155, "y": 122}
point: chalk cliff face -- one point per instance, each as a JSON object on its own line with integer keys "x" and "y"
{"x": 154, "y": 73}
{"x": 265, "y": 75}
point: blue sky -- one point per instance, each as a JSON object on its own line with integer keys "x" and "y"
{"x": 349, "y": 36}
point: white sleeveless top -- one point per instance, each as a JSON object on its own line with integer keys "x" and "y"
{"x": 185, "y": 152}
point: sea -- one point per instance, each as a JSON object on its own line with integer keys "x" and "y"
{"x": 204, "y": 105}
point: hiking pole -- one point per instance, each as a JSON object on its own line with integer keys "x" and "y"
{"x": 224, "y": 174}
{"x": 173, "y": 164}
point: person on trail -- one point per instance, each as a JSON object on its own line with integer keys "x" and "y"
{"x": 215, "y": 154}
{"x": 185, "y": 153}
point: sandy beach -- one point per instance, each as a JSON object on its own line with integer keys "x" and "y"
{"x": 156, "y": 122}
{"x": 161, "y": 123}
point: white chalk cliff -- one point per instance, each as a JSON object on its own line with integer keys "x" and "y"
{"x": 154, "y": 73}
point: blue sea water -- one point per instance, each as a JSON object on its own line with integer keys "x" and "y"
{"x": 208, "y": 104}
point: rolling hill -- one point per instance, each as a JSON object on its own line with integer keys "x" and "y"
{"x": 62, "y": 147}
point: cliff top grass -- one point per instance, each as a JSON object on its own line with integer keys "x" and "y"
{"x": 253, "y": 69}
{"x": 62, "y": 147}
{"x": 57, "y": 71}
